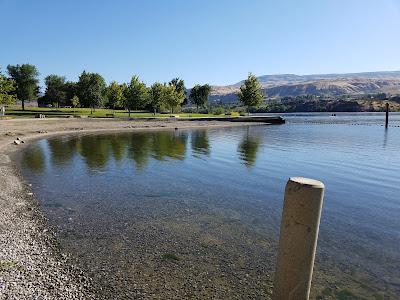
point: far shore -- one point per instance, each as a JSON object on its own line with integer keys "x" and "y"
{"x": 31, "y": 264}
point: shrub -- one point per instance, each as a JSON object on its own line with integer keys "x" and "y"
{"x": 218, "y": 111}
{"x": 189, "y": 110}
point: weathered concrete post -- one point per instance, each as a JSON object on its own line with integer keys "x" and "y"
{"x": 2, "y": 111}
{"x": 387, "y": 115}
{"x": 298, "y": 238}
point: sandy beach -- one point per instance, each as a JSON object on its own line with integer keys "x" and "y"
{"x": 31, "y": 265}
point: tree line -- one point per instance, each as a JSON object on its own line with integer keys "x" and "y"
{"x": 91, "y": 91}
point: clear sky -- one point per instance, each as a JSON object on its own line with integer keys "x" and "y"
{"x": 201, "y": 41}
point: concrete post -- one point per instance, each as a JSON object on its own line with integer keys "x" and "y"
{"x": 298, "y": 238}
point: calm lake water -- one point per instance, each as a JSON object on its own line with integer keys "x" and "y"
{"x": 196, "y": 213}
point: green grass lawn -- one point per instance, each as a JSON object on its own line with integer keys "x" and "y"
{"x": 30, "y": 112}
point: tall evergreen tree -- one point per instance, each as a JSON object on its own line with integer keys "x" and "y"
{"x": 27, "y": 83}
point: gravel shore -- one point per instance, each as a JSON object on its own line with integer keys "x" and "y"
{"x": 31, "y": 264}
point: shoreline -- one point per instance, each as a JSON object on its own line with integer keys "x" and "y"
{"x": 31, "y": 263}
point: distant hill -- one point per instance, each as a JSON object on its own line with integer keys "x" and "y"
{"x": 280, "y": 79}
{"x": 282, "y": 85}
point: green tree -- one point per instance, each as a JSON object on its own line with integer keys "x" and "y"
{"x": 179, "y": 85}
{"x": 55, "y": 89}
{"x": 137, "y": 95}
{"x": 27, "y": 83}
{"x": 199, "y": 95}
{"x": 172, "y": 97}
{"x": 7, "y": 88}
{"x": 71, "y": 90}
{"x": 91, "y": 87}
{"x": 157, "y": 91}
{"x": 75, "y": 102}
{"x": 250, "y": 92}
{"x": 115, "y": 94}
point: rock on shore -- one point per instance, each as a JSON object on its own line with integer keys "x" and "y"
{"x": 31, "y": 267}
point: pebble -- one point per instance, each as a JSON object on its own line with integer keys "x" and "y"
{"x": 35, "y": 268}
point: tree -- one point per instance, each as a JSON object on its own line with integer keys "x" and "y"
{"x": 55, "y": 89}
{"x": 250, "y": 92}
{"x": 179, "y": 85}
{"x": 115, "y": 95}
{"x": 199, "y": 95}
{"x": 71, "y": 90}
{"x": 136, "y": 95}
{"x": 25, "y": 77}
{"x": 91, "y": 87}
{"x": 75, "y": 102}
{"x": 156, "y": 96}
{"x": 7, "y": 88}
{"x": 172, "y": 97}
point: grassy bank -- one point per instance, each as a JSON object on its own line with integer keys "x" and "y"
{"x": 30, "y": 112}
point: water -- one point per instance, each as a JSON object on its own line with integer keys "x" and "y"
{"x": 195, "y": 213}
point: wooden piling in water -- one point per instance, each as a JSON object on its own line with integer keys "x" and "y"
{"x": 387, "y": 115}
{"x": 298, "y": 238}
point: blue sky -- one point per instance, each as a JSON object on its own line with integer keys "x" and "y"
{"x": 201, "y": 41}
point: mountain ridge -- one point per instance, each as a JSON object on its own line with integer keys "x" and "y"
{"x": 284, "y": 85}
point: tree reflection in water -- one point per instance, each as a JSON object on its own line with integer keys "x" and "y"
{"x": 62, "y": 150}
{"x": 139, "y": 147}
{"x": 249, "y": 147}
{"x": 34, "y": 159}
{"x": 200, "y": 142}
